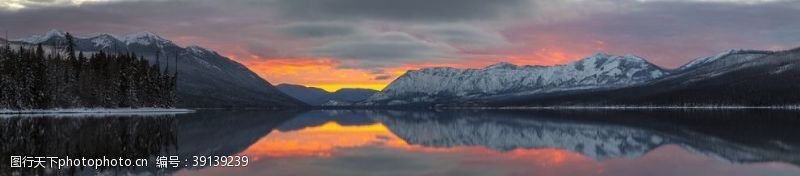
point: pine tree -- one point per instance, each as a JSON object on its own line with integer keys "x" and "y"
{"x": 31, "y": 78}
{"x": 39, "y": 88}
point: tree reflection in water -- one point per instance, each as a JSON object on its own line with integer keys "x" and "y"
{"x": 130, "y": 137}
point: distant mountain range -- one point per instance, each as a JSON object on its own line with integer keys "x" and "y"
{"x": 205, "y": 78}
{"x": 319, "y": 97}
{"x": 732, "y": 78}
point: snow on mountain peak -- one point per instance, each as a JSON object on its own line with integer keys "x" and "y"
{"x": 599, "y": 55}
{"x": 501, "y": 65}
{"x": 604, "y": 62}
{"x": 56, "y": 32}
{"x": 197, "y": 49}
{"x": 596, "y": 71}
{"x": 106, "y": 36}
{"x": 104, "y": 40}
{"x": 142, "y": 38}
{"x": 746, "y": 55}
{"x": 633, "y": 58}
{"x": 628, "y": 57}
{"x": 101, "y": 40}
{"x": 36, "y": 39}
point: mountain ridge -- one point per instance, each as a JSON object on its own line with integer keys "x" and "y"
{"x": 445, "y": 83}
{"x": 502, "y": 81}
{"x": 206, "y": 79}
{"x": 744, "y": 79}
{"x": 320, "y": 97}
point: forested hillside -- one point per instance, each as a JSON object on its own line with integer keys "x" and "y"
{"x": 37, "y": 77}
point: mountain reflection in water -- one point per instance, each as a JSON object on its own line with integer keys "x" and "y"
{"x": 385, "y": 142}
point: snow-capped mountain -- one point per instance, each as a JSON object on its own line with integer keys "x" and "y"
{"x": 206, "y": 79}
{"x": 732, "y": 78}
{"x": 100, "y": 41}
{"x": 319, "y": 97}
{"x": 599, "y": 71}
{"x": 36, "y": 39}
{"x": 106, "y": 41}
{"x": 726, "y": 58}
{"x": 143, "y": 38}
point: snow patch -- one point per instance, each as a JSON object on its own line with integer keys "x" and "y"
{"x": 142, "y": 38}
{"x": 102, "y": 42}
{"x": 597, "y": 71}
{"x": 77, "y": 112}
{"x": 783, "y": 68}
{"x": 36, "y": 39}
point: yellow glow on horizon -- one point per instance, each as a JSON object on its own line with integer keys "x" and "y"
{"x": 322, "y": 140}
{"x": 328, "y": 139}
{"x": 314, "y": 72}
{"x": 335, "y": 87}
{"x": 326, "y": 74}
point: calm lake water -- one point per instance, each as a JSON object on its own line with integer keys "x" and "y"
{"x": 384, "y": 142}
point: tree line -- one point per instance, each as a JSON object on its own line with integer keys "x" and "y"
{"x": 32, "y": 77}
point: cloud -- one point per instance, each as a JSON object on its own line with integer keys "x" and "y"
{"x": 718, "y": 1}
{"x": 670, "y": 33}
{"x": 317, "y": 30}
{"x": 464, "y": 37}
{"x": 23, "y": 4}
{"x": 382, "y": 77}
{"x": 380, "y": 49}
{"x": 112, "y": 17}
{"x": 370, "y": 35}
{"x": 406, "y": 10}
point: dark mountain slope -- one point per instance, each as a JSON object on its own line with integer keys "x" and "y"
{"x": 206, "y": 79}
{"x": 769, "y": 80}
{"x": 318, "y": 97}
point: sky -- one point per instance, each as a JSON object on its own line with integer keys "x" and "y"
{"x": 333, "y": 44}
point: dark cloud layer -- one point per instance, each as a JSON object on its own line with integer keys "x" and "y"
{"x": 405, "y": 10}
{"x": 382, "y": 49}
{"x": 317, "y": 30}
{"x": 671, "y": 33}
{"x": 375, "y": 34}
{"x": 382, "y": 77}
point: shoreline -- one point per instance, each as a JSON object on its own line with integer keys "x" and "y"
{"x": 95, "y": 111}
{"x": 571, "y": 107}
{"x": 637, "y": 108}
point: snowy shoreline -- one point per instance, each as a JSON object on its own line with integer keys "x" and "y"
{"x": 97, "y": 111}
{"x": 635, "y": 107}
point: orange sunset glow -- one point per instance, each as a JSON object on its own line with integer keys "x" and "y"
{"x": 339, "y": 47}
{"x": 321, "y": 73}
{"x": 324, "y": 73}
{"x": 326, "y": 139}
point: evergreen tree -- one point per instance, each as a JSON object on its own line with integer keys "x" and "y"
{"x": 30, "y": 78}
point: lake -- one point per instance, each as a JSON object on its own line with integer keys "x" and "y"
{"x": 405, "y": 142}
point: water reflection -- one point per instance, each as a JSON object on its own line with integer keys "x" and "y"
{"x": 142, "y": 136}
{"x": 531, "y": 142}
{"x": 743, "y": 136}
{"x": 357, "y": 142}
{"x": 131, "y": 137}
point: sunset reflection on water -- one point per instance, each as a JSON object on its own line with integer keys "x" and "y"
{"x": 348, "y": 143}
{"x": 328, "y": 139}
